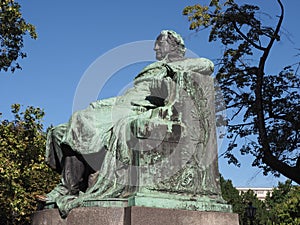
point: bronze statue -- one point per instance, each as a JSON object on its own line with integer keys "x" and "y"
{"x": 158, "y": 137}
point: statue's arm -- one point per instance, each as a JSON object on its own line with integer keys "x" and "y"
{"x": 166, "y": 110}
{"x": 103, "y": 102}
{"x": 200, "y": 65}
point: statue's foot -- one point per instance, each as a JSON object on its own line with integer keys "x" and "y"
{"x": 126, "y": 195}
{"x": 41, "y": 198}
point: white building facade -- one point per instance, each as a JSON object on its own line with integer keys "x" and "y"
{"x": 261, "y": 193}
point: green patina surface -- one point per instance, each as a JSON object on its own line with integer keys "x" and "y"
{"x": 154, "y": 146}
{"x": 157, "y": 155}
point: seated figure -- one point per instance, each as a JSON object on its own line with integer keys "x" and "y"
{"x": 157, "y": 137}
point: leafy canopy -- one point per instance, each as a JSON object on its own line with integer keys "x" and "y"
{"x": 284, "y": 204}
{"x": 13, "y": 28}
{"x": 23, "y": 171}
{"x": 281, "y": 206}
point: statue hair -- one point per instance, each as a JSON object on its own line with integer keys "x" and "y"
{"x": 174, "y": 39}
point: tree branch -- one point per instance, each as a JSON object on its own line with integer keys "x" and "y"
{"x": 241, "y": 125}
{"x": 276, "y": 32}
{"x": 268, "y": 158}
{"x": 246, "y": 38}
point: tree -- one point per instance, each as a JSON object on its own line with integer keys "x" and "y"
{"x": 281, "y": 206}
{"x": 289, "y": 210}
{"x": 265, "y": 108}
{"x": 261, "y": 215}
{"x": 13, "y": 28}
{"x": 239, "y": 202}
{"x": 23, "y": 172}
{"x": 231, "y": 195}
{"x": 284, "y": 204}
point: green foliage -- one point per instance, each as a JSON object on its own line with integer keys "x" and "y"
{"x": 23, "y": 172}
{"x": 239, "y": 202}
{"x": 231, "y": 195}
{"x": 261, "y": 216}
{"x": 13, "y": 28}
{"x": 284, "y": 204}
{"x": 289, "y": 210}
{"x": 264, "y": 109}
{"x": 281, "y": 207}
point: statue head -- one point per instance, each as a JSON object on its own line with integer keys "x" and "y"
{"x": 169, "y": 46}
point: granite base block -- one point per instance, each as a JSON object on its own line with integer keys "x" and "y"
{"x": 133, "y": 216}
{"x": 156, "y": 216}
{"x": 83, "y": 216}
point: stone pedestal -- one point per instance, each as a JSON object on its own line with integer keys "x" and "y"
{"x": 133, "y": 216}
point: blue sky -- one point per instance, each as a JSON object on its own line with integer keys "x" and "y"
{"x": 72, "y": 35}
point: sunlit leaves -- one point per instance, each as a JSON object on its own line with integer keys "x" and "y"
{"x": 284, "y": 204}
{"x": 13, "y": 28}
{"x": 198, "y": 16}
{"x": 281, "y": 206}
{"x": 23, "y": 172}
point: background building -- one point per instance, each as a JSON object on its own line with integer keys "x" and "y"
{"x": 260, "y": 192}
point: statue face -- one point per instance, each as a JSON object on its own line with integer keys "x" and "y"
{"x": 162, "y": 47}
